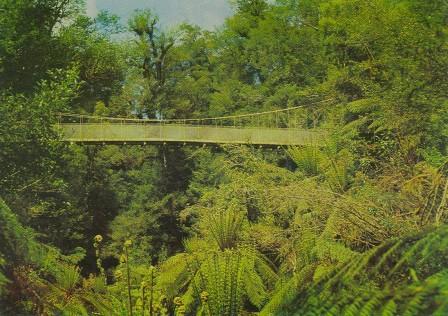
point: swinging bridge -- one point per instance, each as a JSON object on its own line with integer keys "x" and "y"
{"x": 285, "y": 127}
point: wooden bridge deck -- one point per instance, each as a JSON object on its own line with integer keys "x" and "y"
{"x": 131, "y": 133}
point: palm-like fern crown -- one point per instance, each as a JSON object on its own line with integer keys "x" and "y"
{"x": 405, "y": 276}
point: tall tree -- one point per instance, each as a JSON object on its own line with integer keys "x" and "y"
{"x": 28, "y": 40}
{"x": 155, "y": 46}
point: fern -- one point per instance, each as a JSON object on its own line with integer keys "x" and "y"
{"x": 435, "y": 208}
{"x": 286, "y": 292}
{"x": 390, "y": 309}
{"x": 371, "y": 305}
{"x": 175, "y": 274}
{"x": 308, "y": 159}
{"x": 359, "y": 288}
{"x": 225, "y": 227}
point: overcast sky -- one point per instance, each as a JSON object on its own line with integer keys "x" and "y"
{"x": 205, "y": 13}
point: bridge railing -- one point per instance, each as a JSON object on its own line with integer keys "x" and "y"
{"x": 300, "y": 117}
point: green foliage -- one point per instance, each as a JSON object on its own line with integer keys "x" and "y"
{"x": 100, "y": 61}
{"x": 32, "y": 269}
{"x": 34, "y": 39}
{"x": 229, "y": 278}
{"x": 221, "y": 275}
{"x": 30, "y": 145}
{"x": 225, "y": 226}
{"x": 435, "y": 208}
{"x": 401, "y": 277}
{"x": 17, "y": 243}
{"x": 307, "y": 159}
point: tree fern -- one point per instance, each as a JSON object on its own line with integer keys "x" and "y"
{"x": 225, "y": 227}
{"x": 175, "y": 274}
{"x": 390, "y": 308}
{"x": 308, "y": 159}
{"x": 286, "y": 292}
{"x": 359, "y": 287}
{"x": 371, "y": 305}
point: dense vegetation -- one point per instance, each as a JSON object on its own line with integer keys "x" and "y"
{"x": 358, "y": 227}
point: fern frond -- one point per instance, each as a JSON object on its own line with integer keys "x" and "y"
{"x": 359, "y": 287}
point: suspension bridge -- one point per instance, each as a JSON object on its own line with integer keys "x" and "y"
{"x": 285, "y": 127}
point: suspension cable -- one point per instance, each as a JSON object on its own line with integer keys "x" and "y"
{"x": 233, "y": 117}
